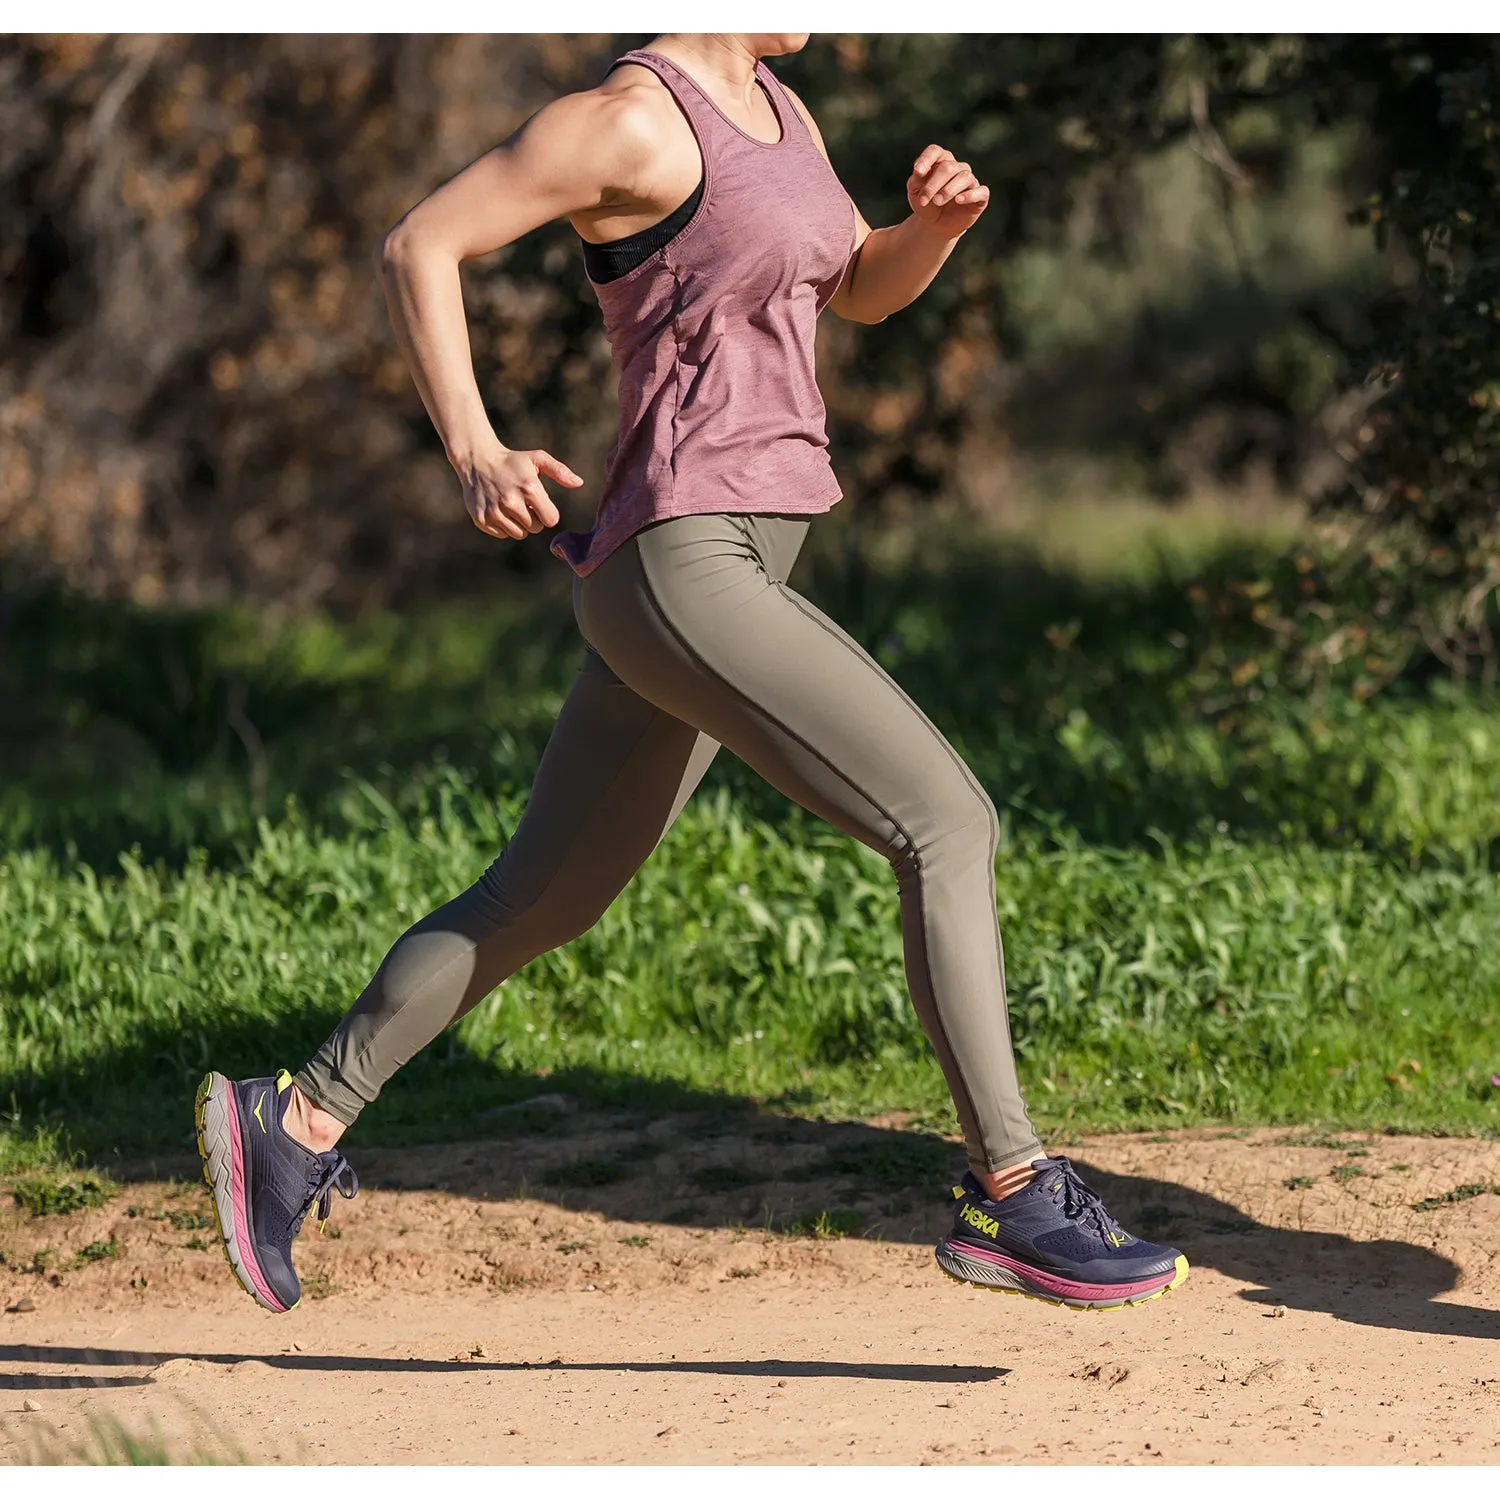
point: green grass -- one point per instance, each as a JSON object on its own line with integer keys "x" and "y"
{"x": 97, "y": 1250}
{"x": 828, "y": 1224}
{"x": 1223, "y": 900}
{"x": 182, "y": 1218}
{"x": 1148, "y": 986}
{"x": 32, "y": 1148}
{"x": 107, "y": 1441}
{"x": 49, "y": 1194}
{"x": 1460, "y": 1194}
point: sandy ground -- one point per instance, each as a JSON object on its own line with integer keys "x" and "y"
{"x": 474, "y": 1307}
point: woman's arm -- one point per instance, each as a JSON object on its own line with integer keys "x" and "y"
{"x": 571, "y": 156}
{"x": 892, "y": 267}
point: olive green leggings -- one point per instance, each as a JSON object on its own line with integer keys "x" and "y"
{"x": 695, "y": 641}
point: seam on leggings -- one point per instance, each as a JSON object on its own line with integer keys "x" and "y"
{"x": 911, "y": 843}
{"x": 799, "y": 603}
{"x": 530, "y": 905}
{"x": 812, "y": 615}
{"x": 990, "y": 817}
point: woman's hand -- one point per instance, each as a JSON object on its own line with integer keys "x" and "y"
{"x": 944, "y": 194}
{"x": 504, "y": 493}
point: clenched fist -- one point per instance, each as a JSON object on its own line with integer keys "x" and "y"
{"x": 944, "y": 193}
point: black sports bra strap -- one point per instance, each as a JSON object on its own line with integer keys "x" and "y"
{"x": 616, "y": 258}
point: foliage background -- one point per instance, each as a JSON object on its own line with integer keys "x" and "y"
{"x": 199, "y": 398}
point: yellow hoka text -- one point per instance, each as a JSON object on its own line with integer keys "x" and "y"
{"x": 982, "y": 1222}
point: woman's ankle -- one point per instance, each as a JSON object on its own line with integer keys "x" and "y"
{"x": 312, "y": 1127}
{"x": 1009, "y": 1180}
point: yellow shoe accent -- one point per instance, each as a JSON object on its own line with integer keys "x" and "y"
{"x": 283, "y": 1080}
{"x": 256, "y": 1112}
{"x": 958, "y": 1192}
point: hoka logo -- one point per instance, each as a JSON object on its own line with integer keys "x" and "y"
{"x": 982, "y": 1222}
{"x": 256, "y": 1112}
{"x": 1117, "y": 1237}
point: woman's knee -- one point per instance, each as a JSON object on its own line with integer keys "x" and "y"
{"x": 534, "y": 920}
{"x": 957, "y": 820}
{"x": 960, "y": 808}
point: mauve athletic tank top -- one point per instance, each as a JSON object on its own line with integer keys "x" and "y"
{"x": 713, "y": 334}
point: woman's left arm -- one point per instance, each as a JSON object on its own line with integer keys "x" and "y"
{"x": 892, "y": 267}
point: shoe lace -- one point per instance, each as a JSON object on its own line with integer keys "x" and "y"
{"x": 1078, "y": 1200}
{"x": 325, "y": 1173}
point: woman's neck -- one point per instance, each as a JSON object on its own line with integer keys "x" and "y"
{"x": 725, "y": 59}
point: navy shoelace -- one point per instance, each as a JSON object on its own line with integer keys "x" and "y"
{"x": 1079, "y": 1200}
{"x": 327, "y": 1171}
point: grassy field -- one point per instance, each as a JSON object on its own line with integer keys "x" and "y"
{"x": 1222, "y": 899}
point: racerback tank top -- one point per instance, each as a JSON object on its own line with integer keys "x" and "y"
{"x": 713, "y": 334}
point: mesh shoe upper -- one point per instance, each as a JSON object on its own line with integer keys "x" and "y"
{"x": 283, "y": 1179}
{"x": 1057, "y": 1222}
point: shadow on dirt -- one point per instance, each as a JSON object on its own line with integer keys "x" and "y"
{"x": 786, "y": 1369}
{"x": 729, "y": 1164}
{"x": 805, "y": 1177}
{"x": 1378, "y": 1283}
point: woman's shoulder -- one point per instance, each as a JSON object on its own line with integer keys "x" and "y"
{"x": 633, "y": 103}
{"x": 618, "y": 126}
{"x": 633, "y": 117}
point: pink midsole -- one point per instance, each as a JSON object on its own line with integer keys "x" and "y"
{"x": 242, "y": 1239}
{"x": 1086, "y": 1290}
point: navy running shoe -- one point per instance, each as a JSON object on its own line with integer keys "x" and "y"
{"x": 264, "y": 1183}
{"x": 1054, "y": 1240}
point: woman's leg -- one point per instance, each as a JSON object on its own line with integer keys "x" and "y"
{"x": 694, "y": 614}
{"x": 615, "y": 774}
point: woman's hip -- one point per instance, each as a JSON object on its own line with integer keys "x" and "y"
{"x": 696, "y": 572}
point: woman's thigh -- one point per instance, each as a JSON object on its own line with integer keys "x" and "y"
{"x": 693, "y": 616}
{"x": 615, "y": 774}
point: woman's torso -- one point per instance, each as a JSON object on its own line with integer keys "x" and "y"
{"x": 713, "y": 333}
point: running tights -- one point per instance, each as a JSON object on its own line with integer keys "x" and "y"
{"x": 695, "y": 641}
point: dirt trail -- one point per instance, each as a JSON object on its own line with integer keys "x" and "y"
{"x": 476, "y": 1307}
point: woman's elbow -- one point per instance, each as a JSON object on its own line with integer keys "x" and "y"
{"x": 849, "y": 304}
{"x": 393, "y": 249}
{"x": 407, "y": 250}
{"x": 851, "y": 312}
{"x": 398, "y": 250}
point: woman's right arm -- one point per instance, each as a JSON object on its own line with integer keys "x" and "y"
{"x": 573, "y": 155}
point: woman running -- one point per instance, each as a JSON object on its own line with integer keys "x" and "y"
{"x": 714, "y": 233}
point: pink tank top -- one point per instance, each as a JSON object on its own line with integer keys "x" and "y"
{"x": 713, "y": 335}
